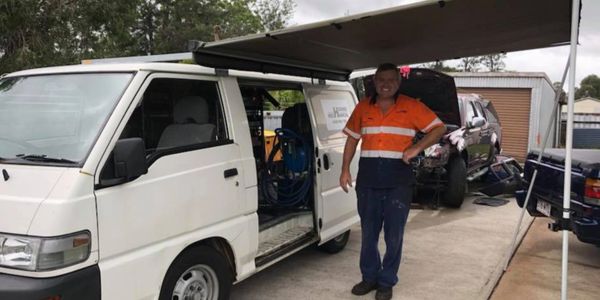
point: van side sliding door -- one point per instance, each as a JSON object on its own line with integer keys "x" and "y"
{"x": 330, "y": 107}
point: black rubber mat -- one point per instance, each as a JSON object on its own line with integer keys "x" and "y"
{"x": 490, "y": 201}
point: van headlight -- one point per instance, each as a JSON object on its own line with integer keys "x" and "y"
{"x": 43, "y": 253}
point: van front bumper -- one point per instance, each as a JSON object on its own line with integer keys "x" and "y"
{"x": 81, "y": 284}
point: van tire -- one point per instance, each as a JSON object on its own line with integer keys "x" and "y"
{"x": 336, "y": 244}
{"x": 457, "y": 182}
{"x": 202, "y": 262}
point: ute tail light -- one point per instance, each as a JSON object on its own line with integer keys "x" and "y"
{"x": 592, "y": 191}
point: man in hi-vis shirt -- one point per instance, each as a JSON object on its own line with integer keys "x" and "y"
{"x": 386, "y": 123}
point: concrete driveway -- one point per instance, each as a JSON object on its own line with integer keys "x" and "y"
{"x": 535, "y": 271}
{"x": 448, "y": 254}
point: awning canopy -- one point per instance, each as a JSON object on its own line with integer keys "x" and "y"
{"x": 421, "y": 32}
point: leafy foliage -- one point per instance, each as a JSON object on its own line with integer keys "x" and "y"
{"x": 470, "y": 64}
{"x": 494, "y": 62}
{"x": 589, "y": 87}
{"x": 36, "y": 33}
{"x": 286, "y": 98}
{"x": 439, "y": 66}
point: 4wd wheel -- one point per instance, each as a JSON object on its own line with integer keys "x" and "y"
{"x": 457, "y": 180}
{"x": 198, "y": 273}
{"x": 336, "y": 244}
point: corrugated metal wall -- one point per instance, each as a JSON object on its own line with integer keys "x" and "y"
{"x": 586, "y": 130}
{"x": 513, "y": 106}
{"x": 586, "y": 138}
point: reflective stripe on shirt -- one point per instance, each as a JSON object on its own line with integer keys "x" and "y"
{"x": 382, "y": 153}
{"x": 352, "y": 133}
{"x": 388, "y": 129}
{"x": 433, "y": 123}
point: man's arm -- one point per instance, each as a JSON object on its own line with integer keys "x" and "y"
{"x": 349, "y": 150}
{"x": 429, "y": 139}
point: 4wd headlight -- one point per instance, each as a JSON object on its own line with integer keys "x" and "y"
{"x": 41, "y": 253}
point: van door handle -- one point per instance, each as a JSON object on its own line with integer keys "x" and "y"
{"x": 230, "y": 173}
{"x": 325, "y": 161}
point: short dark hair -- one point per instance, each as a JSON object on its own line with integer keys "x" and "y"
{"x": 387, "y": 67}
{"x": 381, "y": 68}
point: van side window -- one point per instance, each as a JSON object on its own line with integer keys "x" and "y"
{"x": 176, "y": 113}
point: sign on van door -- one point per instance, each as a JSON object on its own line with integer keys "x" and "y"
{"x": 330, "y": 107}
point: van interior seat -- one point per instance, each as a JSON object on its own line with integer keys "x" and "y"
{"x": 190, "y": 124}
{"x": 296, "y": 118}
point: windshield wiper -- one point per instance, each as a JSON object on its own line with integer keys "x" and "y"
{"x": 44, "y": 158}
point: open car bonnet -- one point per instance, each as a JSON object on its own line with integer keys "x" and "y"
{"x": 436, "y": 90}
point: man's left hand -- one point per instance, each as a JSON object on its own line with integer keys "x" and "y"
{"x": 410, "y": 153}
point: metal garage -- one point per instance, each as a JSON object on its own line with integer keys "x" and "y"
{"x": 586, "y": 124}
{"x": 523, "y": 101}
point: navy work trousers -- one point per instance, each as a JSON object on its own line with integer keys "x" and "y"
{"x": 387, "y": 207}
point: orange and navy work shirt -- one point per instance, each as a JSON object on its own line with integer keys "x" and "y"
{"x": 385, "y": 137}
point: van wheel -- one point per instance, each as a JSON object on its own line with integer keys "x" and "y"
{"x": 457, "y": 181}
{"x": 336, "y": 244}
{"x": 198, "y": 273}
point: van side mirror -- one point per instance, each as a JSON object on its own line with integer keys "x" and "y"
{"x": 130, "y": 158}
{"x": 477, "y": 122}
{"x": 128, "y": 162}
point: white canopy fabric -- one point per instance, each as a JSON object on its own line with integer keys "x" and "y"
{"x": 415, "y": 33}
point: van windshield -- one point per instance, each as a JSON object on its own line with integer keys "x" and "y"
{"x": 55, "y": 119}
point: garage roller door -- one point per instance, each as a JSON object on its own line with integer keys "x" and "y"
{"x": 513, "y": 107}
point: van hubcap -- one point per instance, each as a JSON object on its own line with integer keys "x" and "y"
{"x": 197, "y": 283}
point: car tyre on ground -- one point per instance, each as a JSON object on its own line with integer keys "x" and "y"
{"x": 336, "y": 244}
{"x": 198, "y": 273}
{"x": 457, "y": 181}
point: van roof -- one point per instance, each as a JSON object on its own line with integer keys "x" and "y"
{"x": 120, "y": 67}
{"x": 162, "y": 67}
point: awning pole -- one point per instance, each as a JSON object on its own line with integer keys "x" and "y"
{"x": 549, "y": 128}
{"x": 569, "y": 148}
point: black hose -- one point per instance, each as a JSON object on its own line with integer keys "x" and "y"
{"x": 283, "y": 187}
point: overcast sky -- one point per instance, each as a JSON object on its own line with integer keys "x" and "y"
{"x": 552, "y": 61}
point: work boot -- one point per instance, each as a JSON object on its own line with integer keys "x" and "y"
{"x": 363, "y": 287}
{"x": 383, "y": 293}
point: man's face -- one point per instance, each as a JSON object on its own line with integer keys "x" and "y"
{"x": 387, "y": 83}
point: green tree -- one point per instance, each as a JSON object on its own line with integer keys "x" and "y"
{"x": 36, "y": 33}
{"x": 145, "y": 27}
{"x": 274, "y": 14}
{"x": 494, "y": 62}
{"x": 165, "y": 26}
{"x": 470, "y": 64}
{"x": 562, "y": 99}
{"x": 286, "y": 98}
{"x": 588, "y": 87}
{"x": 54, "y": 32}
{"x": 440, "y": 66}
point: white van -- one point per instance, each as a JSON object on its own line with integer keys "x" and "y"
{"x": 156, "y": 181}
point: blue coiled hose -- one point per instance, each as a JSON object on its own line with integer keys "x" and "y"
{"x": 290, "y": 185}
